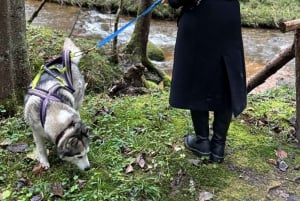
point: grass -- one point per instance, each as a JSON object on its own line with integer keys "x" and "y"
{"x": 126, "y": 129}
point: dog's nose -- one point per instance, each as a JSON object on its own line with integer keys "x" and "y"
{"x": 87, "y": 168}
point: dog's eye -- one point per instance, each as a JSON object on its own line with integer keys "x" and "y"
{"x": 80, "y": 157}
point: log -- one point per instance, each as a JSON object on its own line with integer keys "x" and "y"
{"x": 289, "y": 25}
{"x": 271, "y": 67}
{"x": 297, "y": 66}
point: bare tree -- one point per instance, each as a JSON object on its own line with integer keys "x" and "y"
{"x": 13, "y": 54}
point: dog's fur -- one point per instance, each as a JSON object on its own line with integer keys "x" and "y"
{"x": 62, "y": 125}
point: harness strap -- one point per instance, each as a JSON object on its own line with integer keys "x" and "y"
{"x": 46, "y": 98}
{"x": 66, "y": 82}
{"x": 66, "y": 61}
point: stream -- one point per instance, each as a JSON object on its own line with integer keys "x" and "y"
{"x": 260, "y": 45}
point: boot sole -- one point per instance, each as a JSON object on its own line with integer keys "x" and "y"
{"x": 195, "y": 151}
{"x": 216, "y": 159}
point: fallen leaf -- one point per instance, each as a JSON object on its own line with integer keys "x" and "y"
{"x": 176, "y": 147}
{"x": 81, "y": 183}
{"x": 56, "y": 189}
{"x": 140, "y": 130}
{"x": 153, "y": 154}
{"x": 149, "y": 167}
{"x": 129, "y": 169}
{"x": 125, "y": 150}
{"x": 5, "y": 143}
{"x": 260, "y": 123}
{"x": 38, "y": 197}
{"x": 140, "y": 160}
{"x": 105, "y": 111}
{"x": 273, "y": 162}
{"x": 205, "y": 196}
{"x": 161, "y": 85}
{"x": 17, "y": 148}
{"x": 23, "y": 182}
{"x": 281, "y": 154}
{"x": 195, "y": 162}
{"x": 38, "y": 169}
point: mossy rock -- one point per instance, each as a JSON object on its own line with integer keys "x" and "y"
{"x": 154, "y": 52}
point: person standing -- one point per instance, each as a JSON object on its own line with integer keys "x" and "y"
{"x": 208, "y": 71}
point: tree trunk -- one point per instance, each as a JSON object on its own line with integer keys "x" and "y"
{"x": 137, "y": 46}
{"x": 139, "y": 39}
{"x": 115, "y": 51}
{"x": 272, "y": 67}
{"x": 13, "y": 54}
{"x": 297, "y": 63}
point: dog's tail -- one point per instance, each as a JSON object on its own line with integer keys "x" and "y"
{"x": 69, "y": 45}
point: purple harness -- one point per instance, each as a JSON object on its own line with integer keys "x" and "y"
{"x": 51, "y": 94}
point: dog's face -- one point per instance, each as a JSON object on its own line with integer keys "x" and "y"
{"x": 73, "y": 146}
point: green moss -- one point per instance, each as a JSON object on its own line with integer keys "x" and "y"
{"x": 125, "y": 127}
{"x": 155, "y": 53}
{"x": 45, "y": 44}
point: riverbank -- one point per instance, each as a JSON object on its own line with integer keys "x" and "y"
{"x": 255, "y": 13}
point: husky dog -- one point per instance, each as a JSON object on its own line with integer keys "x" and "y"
{"x": 51, "y": 109}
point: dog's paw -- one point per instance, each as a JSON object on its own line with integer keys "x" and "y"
{"x": 45, "y": 165}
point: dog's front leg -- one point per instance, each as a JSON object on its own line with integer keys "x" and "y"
{"x": 41, "y": 150}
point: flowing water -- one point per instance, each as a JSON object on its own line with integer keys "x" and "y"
{"x": 260, "y": 45}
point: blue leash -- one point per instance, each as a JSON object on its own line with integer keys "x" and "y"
{"x": 110, "y": 37}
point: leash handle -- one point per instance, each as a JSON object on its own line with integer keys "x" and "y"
{"x": 145, "y": 12}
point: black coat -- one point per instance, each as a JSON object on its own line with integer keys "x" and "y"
{"x": 209, "y": 67}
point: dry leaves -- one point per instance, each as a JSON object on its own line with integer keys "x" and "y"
{"x": 281, "y": 154}
{"x": 205, "y": 196}
{"x": 56, "y": 189}
{"x": 5, "y": 143}
{"x": 38, "y": 170}
{"x": 17, "y": 148}
{"x": 279, "y": 163}
{"x": 38, "y": 197}
{"x": 139, "y": 161}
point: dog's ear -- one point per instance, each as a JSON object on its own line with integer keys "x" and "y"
{"x": 84, "y": 130}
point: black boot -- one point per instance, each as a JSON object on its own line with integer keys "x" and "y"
{"x": 199, "y": 144}
{"x": 220, "y": 127}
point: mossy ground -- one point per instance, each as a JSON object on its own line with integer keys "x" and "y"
{"x": 127, "y": 127}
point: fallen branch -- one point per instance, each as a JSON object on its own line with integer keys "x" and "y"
{"x": 36, "y": 12}
{"x": 271, "y": 67}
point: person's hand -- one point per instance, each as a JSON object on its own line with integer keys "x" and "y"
{"x": 164, "y": 1}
